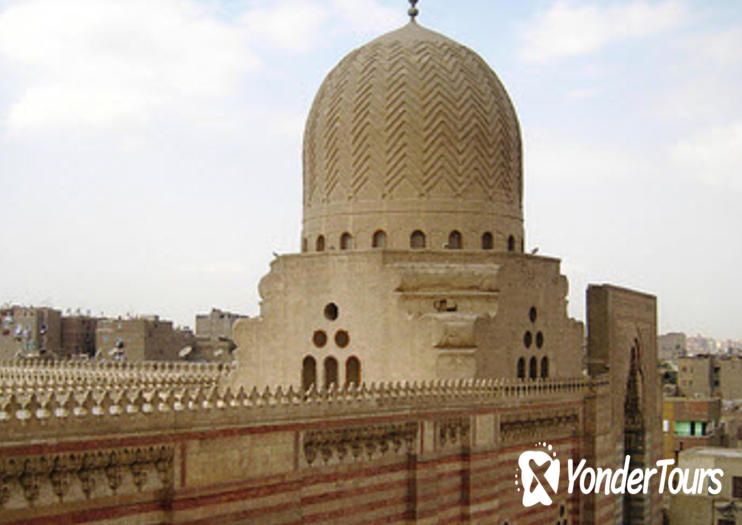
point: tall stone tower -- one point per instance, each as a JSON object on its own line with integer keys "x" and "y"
{"x": 622, "y": 345}
{"x": 412, "y": 263}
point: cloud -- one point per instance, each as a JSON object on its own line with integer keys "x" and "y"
{"x": 724, "y": 48}
{"x": 566, "y": 30}
{"x": 299, "y": 25}
{"x": 293, "y": 25}
{"x": 713, "y": 155}
{"x": 577, "y": 94}
{"x": 554, "y": 156}
{"x": 367, "y": 16}
{"x": 86, "y": 62}
{"x": 99, "y": 63}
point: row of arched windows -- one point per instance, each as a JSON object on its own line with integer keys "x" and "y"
{"x": 533, "y": 368}
{"x": 418, "y": 240}
{"x": 330, "y": 369}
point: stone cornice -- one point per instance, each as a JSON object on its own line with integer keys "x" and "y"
{"x": 61, "y": 415}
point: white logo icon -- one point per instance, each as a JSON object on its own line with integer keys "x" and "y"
{"x": 539, "y": 475}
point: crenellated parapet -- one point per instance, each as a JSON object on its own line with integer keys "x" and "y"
{"x": 36, "y": 376}
{"x": 142, "y": 409}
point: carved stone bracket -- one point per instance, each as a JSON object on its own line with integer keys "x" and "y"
{"x": 536, "y": 425}
{"x": 373, "y": 441}
{"x": 453, "y": 431}
{"x": 29, "y": 473}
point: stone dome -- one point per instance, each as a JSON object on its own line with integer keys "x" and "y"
{"x": 412, "y": 132}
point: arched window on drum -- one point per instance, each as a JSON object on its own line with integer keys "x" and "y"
{"x": 308, "y": 373}
{"x": 331, "y": 372}
{"x": 352, "y": 371}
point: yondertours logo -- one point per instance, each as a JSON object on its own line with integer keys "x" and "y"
{"x": 537, "y": 477}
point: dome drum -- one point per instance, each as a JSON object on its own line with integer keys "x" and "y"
{"x": 399, "y": 226}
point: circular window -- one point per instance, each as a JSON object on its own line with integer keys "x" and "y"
{"x": 342, "y": 338}
{"x": 539, "y": 339}
{"x": 319, "y": 338}
{"x": 331, "y": 311}
{"x": 532, "y": 314}
{"x": 528, "y": 339}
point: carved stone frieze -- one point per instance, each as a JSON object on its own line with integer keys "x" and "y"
{"x": 432, "y": 277}
{"x": 371, "y": 441}
{"x": 525, "y": 425}
{"x": 92, "y": 471}
{"x": 453, "y": 431}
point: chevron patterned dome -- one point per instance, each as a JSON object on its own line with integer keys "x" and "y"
{"x": 412, "y": 132}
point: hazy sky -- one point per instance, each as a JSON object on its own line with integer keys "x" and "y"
{"x": 150, "y": 150}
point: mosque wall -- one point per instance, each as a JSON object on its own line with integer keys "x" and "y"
{"x": 442, "y": 452}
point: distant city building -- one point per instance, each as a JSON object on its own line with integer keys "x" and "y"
{"x": 699, "y": 344}
{"x": 689, "y": 423}
{"x": 29, "y": 332}
{"x": 141, "y": 339}
{"x": 671, "y": 346}
{"x": 731, "y": 417}
{"x": 214, "y": 337}
{"x": 696, "y": 376}
{"x": 724, "y": 508}
{"x": 731, "y": 347}
{"x": 710, "y": 375}
{"x": 207, "y": 349}
{"x": 78, "y": 336}
{"x": 730, "y": 376}
{"x": 216, "y": 324}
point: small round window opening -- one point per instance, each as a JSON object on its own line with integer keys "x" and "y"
{"x": 528, "y": 339}
{"x": 342, "y": 339}
{"x": 331, "y": 311}
{"x": 533, "y": 314}
{"x": 319, "y": 338}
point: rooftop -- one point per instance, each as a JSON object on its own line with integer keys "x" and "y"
{"x": 718, "y": 452}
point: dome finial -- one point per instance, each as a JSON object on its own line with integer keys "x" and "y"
{"x": 413, "y": 11}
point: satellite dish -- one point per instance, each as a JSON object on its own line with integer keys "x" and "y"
{"x": 185, "y": 351}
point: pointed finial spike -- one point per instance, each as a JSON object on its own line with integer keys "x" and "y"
{"x": 413, "y": 11}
